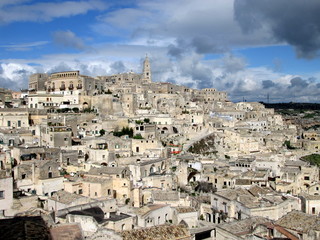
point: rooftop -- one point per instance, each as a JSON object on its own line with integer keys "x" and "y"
{"x": 243, "y": 227}
{"x": 69, "y": 231}
{"x": 65, "y": 197}
{"x": 300, "y": 222}
{"x": 161, "y": 232}
{"x": 114, "y": 217}
{"x": 147, "y": 209}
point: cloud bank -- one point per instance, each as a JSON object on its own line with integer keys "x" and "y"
{"x": 189, "y": 43}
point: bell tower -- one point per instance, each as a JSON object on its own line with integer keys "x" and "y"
{"x": 146, "y": 70}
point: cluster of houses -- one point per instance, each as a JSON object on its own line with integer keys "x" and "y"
{"x": 123, "y": 157}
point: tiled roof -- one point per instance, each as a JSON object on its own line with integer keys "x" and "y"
{"x": 161, "y": 232}
{"x": 300, "y": 222}
{"x": 65, "y": 197}
{"x": 165, "y": 196}
{"x": 185, "y": 209}
{"x": 147, "y": 209}
{"x": 106, "y": 170}
{"x": 66, "y": 232}
{"x": 244, "y": 226}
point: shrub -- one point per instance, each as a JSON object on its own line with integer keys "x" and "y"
{"x": 138, "y": 136}
{"x": 146, "y": 120}
{"x": 102, "y": 132}
{"x": 288, "y": 145}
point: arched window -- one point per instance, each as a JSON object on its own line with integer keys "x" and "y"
{"x": 63, "y": 86}
{"x": 71, "y": 86}
{"x": 49, "y": 172}
{"x": 152, "y": 168}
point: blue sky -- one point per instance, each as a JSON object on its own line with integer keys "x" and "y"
{"x": 248, "y": 48}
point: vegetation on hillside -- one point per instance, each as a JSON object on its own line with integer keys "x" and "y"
{"x": 294, "y": 106}
{"x": 314, "y": 159}
{"x": 205, "y": 146}
{"x": 125, "y": 131}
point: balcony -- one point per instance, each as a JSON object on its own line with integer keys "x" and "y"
{"x": 79, "y": 86}
{"x": 62, "y": 87}
{"x": 71, "y": 87}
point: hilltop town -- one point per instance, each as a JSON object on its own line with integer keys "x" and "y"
{"x": 124, "y": 157}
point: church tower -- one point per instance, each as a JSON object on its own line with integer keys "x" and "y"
{"x": 146, "y": 70}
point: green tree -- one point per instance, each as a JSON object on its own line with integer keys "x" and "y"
{"x": 102, "y": 132}
{"x": 146, "y": 120}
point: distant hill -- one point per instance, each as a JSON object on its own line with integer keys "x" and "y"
{"x": 292, "y": 105}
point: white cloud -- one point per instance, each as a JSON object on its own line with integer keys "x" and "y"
{"x": 47, "y": 11}
{"x": 228, "y": 73}
{"x": 68, "y": 39}
{"x": 207, "y": 27}
{"x": 24, "y": 46}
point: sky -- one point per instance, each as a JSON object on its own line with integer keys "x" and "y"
{"x": 266, "y": 50}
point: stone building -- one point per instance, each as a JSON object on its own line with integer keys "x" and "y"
{"x": 237, "y": 204}
{"x": 14, "y": 118}
{"x": 37, "y": 81}
{"x": 41, "y": 177}
{"x": 300, "y": 225}
{"x": 6, "y": 194}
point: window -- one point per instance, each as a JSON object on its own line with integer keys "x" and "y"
{"x": 9, "y": 124}
{"x": 313, "y": 210}
{"x": 19, "y": 123}
{"x": 306, "y": 178}
{"x": 80, "y": 191}
{"x": 49, "y": 172}
{"x": 23, "y": 176}
{"x": 1, "y": 194}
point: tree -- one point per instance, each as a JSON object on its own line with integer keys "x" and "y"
{"x": 75, "y": 109}
{"x": 146, "y": 120}
{"x": 125, "y": 131}
{"x": 102, "y": 132}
